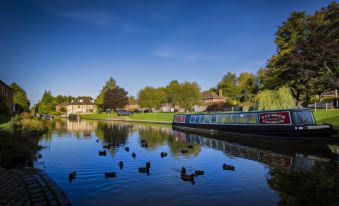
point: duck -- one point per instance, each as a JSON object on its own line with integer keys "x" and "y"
{"x": 102, "y": 153}
{"x": 134, "y": 155}
{"x": 199, "y": 172}
{"x": 72, "y": 175}
{"x": 228, "y": 167}
{"x": 143, "y": 169}
{"x": 163, "y": 154}
{"x": 97, "y": 140}
{"x": 183, "y": 151}
{"x": 190, "y": 146}
{"x": 143, "y": 141}
{"x": 144, "y": 144}
{"x": 187, "y": 177}
{"x": 121, "y": 164}
{"x": 127, "y": 149}
{"x": 148, "y": 165}
{"x": 110, "y": 174}
{"x": 183, "y": 170}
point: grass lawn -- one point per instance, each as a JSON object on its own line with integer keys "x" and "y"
{"x": 321, "y": 116}
{"x": 329, "y": 116}
{"x": 164, "y": 117}
{"x": 101, "y": 116}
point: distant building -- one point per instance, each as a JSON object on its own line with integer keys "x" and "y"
{"x": 209, "y": 98}
{"x": 132, "y": 106}
{"x": 167, "y": 107}
{"x": 81, "y": 105}
{"x": 8, "y": 93}
{"x": 58, "y": 107}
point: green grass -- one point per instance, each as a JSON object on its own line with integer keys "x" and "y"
{"x": 329, "y": 116}
{"x": 100, "y": 116}
{"x": 164, "y": 117}
{"x": 6, "y": 125}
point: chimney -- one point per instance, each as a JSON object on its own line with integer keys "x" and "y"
{"x": 220, "y": 92}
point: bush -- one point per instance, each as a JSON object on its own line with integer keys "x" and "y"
{"x": 4, "y": 109}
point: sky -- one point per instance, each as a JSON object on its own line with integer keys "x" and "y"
{"x": 73, "y": 47}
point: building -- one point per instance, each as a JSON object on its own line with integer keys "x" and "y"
{"x": 7, "y": 92}
{"x": 132, "y": 106}
{"x": 167, "y": 107}
{"x": 209, "y": 98}
{"x": 62, "y": 107}
{"x": 81, "y": 105}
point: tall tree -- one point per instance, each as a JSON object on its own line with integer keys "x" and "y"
{"x": 20, "y": 98}
{"x": 115, "y": 98}
{"x": 99, "y": 101}
{"x": 229, "y": 85}
{"x": 150, "y": 97}
{"x": 47, "y": 104}
{"x": 188, "y": 95}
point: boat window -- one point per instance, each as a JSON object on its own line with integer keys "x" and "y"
{"x": 207, "y": 119}
{"x": 214, "y": 119}
{"x": 227, "y": 119}
{"x": 197, "y": 119}
{"x": 308, "y": 117}
{"x": 243, "y": 118}
{"x": 220, "y": 119}
{"x": 252, "y": 118}
{"x": 201, "y": 119}
{"x": 235, "y": 118}
{"x": 303, "y": 117}
{"x": 192, "y": 118}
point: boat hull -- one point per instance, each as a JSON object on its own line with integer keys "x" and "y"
{"x": 288, "y": 132}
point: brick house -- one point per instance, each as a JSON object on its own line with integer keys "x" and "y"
{"x": 209, "y": 98}
{"x": 8, "y": 93}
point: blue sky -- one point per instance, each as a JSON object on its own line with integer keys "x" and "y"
{"x": 73, "y": 47}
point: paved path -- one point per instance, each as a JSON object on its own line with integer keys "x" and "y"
{"x": 29, "y": 186}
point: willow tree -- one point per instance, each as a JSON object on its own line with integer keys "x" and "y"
{"x": 275, "y": 99}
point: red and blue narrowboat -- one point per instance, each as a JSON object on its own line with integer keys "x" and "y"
{"x": 280, "y": 123}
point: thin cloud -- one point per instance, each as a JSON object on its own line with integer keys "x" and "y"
{"x": 165, "y": 52}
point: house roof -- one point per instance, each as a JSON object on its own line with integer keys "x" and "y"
{"x": 331, "y": 93}
{"x": 82, "y": 101}
{"x": 211, "y": 95}
{"x": 6, "y": 85}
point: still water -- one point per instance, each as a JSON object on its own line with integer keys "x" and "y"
{"x": 265, "y": 173}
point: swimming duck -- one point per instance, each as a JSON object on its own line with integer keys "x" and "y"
{"x": 183, "y": 170}
{"x": 144, "y": 144}
{"x": 163, "y": 154}
{"x": 228, "y": 167}
{"x": 134, "y": 155}
{"x": 183, "y": 151}
{"x": 97, "y": 140}
{"x": 127, "y": 149}
{"x": 148, "y": 165}
{"x": 143, "y": 141}
{"x": 110, "y": 174}
{"x": 143, "y": 170}
{"x": 190, "y": 146}
{"x": 72, "y": 175}
{"x": 188, "y": 177}
{"x": 102, "y": 153}
{"x": 199, "y": 172}
{"x": 121, "y": 164}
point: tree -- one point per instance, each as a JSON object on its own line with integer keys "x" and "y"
{"x": 4, "y": 109}
{"x": 47, "y": 104}
{"x": 229, "y": 85}
{"x": 275, "y": 99}
{"x": 150, "y": 97}
{"x": 247, "y": 86}
{"x": 115, "y": 98}
{"x": 99, "y": 101}
{"x": 20, "y": 98}
{"x": 307, "y": 58}
{"x": 173, "y": 89}
{"x": 188, "y": 95}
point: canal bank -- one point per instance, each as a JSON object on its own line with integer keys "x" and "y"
{"x": 129, "y": 120}
{"x": 29, "y": 186}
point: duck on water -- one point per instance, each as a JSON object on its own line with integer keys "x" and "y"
{"x": 286, "y": 124}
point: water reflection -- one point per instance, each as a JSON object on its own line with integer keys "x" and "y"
{"x": 266, "y": 172}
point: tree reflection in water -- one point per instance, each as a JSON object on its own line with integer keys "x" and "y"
{"x": 317, "y": 186}
{"x": 111, "y": 133}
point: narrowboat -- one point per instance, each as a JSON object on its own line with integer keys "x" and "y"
{"x": 272, "y": 123}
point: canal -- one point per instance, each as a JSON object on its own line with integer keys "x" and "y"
{"x": 265, "y": 173}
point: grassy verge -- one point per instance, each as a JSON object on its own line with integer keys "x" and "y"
{"x": 19, "y": 142}
{"x": 164, "y": 117}
{"x": 329, "y": 116}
